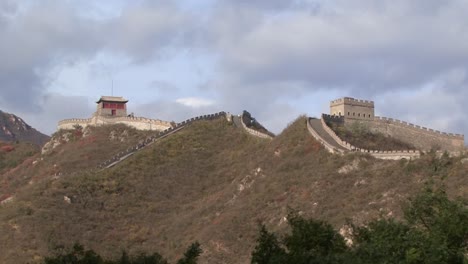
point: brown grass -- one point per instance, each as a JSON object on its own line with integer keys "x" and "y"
{"x": 213, "y": 183}
{"x": 360, "y": 136}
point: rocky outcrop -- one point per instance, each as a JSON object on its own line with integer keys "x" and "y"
{"x": 14, "y": 128}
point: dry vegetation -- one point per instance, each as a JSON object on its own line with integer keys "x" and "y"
{"x": 360, "y": 136}
{"x": 210, "y": 183}
{"x": 13, "y": 154}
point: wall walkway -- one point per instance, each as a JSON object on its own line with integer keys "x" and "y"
{"x": 328, "y": 138}
{"x": 119, "y": 157}
{"x": 317, "y": 130}
{"x": 238, "y": 122}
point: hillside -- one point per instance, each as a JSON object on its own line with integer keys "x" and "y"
{"x": 13, "y": 128}
{"x": 13, "y": 154}
{"x": 210, "y": 182}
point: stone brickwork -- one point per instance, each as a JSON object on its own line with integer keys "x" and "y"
{"x": 112, "y": 106}
{"x": 139, "y": 123}
{"x": 391, "y": 155}
{"x": 119, "y": 157}
{"x": 421, "y": 137}
{"x": 253, "y": 131}
{"x": 352, "y": 108}
{"x": 327, "y": 145}
{"x": 113, "y": 110}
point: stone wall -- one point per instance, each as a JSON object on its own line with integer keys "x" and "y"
{"x": 391, "y": 155}
{"x": 70, "y": 123}
{"x": 322, "y": 141}
{"x": 352, "y": 108}
{"x": 117, "y": 158}
{"x": 139, "y": 123}
{"x": 254, "y": 132}
{"x": 421, "y": 137}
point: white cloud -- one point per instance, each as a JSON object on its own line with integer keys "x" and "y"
{"x": 195, "y": 102}
{"x": 267, "y": 54}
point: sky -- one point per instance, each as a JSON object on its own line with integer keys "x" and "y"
{"x": 276, "y": 59}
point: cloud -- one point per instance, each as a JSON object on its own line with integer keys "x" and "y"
{"x": 195, "y": 102}
{"x": 267, "y": 55}
{"x": 363, "y": 48}
{"x": 37, "y": 43}
{"x": 56, "y": 107}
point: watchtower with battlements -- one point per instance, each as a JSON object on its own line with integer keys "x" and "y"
{"x": 111, "y": 106}
{"x": 352, "y": 108}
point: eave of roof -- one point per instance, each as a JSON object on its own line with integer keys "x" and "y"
{"x": 114, "y": 99}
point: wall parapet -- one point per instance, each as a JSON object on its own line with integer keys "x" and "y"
{"x": 332, "y": 133}
{"x": 253, "y": 131}
{"x": 380, "y": 154}
{"x": 149, "y": 140}
{"x": 418, "y": 128}
{"x": 353, "y": 101}
{"x": 322, "y": 141}
{"x": 75, "y": 121}
{"x": 137, "y": 122}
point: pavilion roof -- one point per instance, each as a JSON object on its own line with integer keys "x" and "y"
{"x": 114, "y": 99}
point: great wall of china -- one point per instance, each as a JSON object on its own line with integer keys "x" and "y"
{"x": 112, "y": 110}
{"x": 123, "y": 155}
{"x": 348, "y": 111}
{"x": 328, "y": 138}
{"x": 140, "y": 123}
{"x": 237, "y": 120}
{"x": 423, "y": 138}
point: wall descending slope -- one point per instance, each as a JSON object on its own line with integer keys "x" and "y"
{"x": 325, "y": 135}
{"x": 252, "y": 130}
{"x": 421, "y": 137}
{"x": 317, "y": 130}
{"x": 119, "y": 157}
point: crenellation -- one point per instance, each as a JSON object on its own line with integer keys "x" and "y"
{"x": 349, "y": 110}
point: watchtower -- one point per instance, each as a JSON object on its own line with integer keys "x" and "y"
{"x": 352, "y": 108}
{"x": 111, "y": 106}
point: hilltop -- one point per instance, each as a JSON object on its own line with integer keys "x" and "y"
{"x": 211, "y": 182}
{"x": 13, "y": 128}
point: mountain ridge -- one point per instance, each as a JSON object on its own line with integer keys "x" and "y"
{"x": 210, "y": 182}
{"x": 14, "y": 128}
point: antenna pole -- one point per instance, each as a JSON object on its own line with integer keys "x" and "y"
{"x": 112, "y": 91}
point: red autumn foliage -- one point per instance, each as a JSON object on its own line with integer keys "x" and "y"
{"x": 7, "y": 148}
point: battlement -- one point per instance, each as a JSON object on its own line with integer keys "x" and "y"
{"x": 352, "y": 108}
{"x": 416, "y": 127}
{"x": 352, "y": 101}
{"x": 140, "y": 123}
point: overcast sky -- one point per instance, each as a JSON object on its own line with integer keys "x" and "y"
{"x": 277, "y": 59}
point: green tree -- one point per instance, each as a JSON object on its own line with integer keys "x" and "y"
{"x": 387, "y": 241}
{"x": 313, "y": 241}
{"x": 268, "y": 249}
{"x": 310, "y": 241}
{"x": 76, "y": 256}
{"x": 435, "y": 231}
{"x": 445, "y": 223}
{"x": 191, "y": 255}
